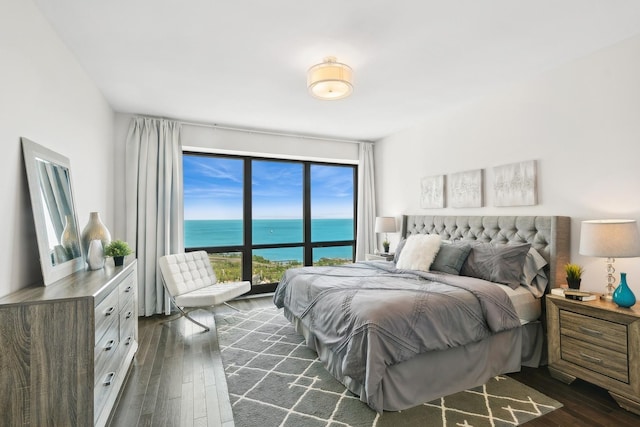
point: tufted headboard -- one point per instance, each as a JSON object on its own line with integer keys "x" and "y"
{"x": 550, "y": 235}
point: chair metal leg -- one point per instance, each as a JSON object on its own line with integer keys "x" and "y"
{"x": 185, "y": 314}
{"x": 182, "y": 312}
{"x": 230, "y": 306}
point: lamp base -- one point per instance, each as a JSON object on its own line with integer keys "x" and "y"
{"x": 606, "y": 297}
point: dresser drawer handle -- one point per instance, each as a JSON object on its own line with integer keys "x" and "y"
{"x": 129, "y": 314}
{"x": 590, "y": 331}
{"x": 127, "y": 289}
{"x": 108, "y": 380}
{"x": 109, "y": 345}
{"x": 109, "y": 311}
{"x": 591, "y": 358}
{"x": 127, "y": 341}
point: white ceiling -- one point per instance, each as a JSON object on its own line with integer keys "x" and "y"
{"x": 243, "y": 63}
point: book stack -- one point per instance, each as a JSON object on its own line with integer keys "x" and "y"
{"x": 579, "y": 295}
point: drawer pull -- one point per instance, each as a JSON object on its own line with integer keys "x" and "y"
{"x": 109, "y": 311}
{"x": 591, "y": 331}
{"x": 127, "y": 341}
{"x": 109, "y": 345}
{"x": 591, "y": 358}
{"x": 129, "y": 314}
{"x": 108, "y": 380}
{"x": 128, "y": 289}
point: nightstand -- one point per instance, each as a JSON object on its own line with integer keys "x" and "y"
{"x": 379, "y": 257}
{"x": 598, "y": 342}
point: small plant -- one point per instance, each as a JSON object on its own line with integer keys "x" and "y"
{"x": 117, "y": 248}
{"x": 574, "y": 271}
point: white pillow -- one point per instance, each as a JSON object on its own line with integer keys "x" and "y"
{"x": 419, "y": 252}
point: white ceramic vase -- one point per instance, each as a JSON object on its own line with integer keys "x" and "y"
{"x": 94, "y": 230}
{"x": 95, "y": 255}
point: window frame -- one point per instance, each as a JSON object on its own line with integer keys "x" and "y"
{"x": 247, "y": 248}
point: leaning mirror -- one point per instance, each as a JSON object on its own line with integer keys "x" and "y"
{"x": 54, "y": 213}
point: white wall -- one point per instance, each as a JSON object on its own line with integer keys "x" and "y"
{"x": 46, "y": 96}
{"x": 581, "y": 122}
{"x": 218, "y": 140}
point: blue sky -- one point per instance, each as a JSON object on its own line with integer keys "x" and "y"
{"x": 213, "y": 189}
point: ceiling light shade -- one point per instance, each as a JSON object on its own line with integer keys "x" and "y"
{"x": 330, "y": 80}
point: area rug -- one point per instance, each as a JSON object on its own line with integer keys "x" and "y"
{"x": 275, "y": 380}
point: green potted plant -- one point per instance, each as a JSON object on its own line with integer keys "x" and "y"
{"x": 385, "y": 245}
{"x": 574, "y": 275}
{"x": 117, "y": 249}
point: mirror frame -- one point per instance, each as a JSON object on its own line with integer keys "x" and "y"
{"x": 32, "y": 153}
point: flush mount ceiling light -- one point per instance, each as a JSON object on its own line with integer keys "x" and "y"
{"x": 330, "y": 80}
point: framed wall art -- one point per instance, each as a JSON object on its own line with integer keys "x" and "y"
{"x": 465, "y": 189}
{"x": 515, "y": 184}
{"x": 432, "y": 192}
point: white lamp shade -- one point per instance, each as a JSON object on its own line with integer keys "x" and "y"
{"x": 385, "y": 224}
{"x": 330, "y": 80}
{"x": 610, "y": 238}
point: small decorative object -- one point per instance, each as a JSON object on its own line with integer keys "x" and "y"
{"x": 94, "y": 230}
{"x": 95, "y": 255}
{"x": 117, "y": 249}
{"x": 574, "y": 275}
{"x": 623, "y": 296}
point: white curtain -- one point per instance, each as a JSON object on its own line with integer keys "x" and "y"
{"x": 153, "y": 203}
{"x": 366, "y": 238}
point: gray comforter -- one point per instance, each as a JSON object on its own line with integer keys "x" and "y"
{"x": 372, "y": 315}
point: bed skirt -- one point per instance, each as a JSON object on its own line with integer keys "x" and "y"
{"x": 436, "y": 374}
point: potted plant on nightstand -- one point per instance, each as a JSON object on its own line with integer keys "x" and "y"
{"x": 117, "y": 249}
{"x": 574, "y": 275}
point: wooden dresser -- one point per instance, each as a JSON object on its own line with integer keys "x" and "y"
{"x": 598, "y": 342}
{"x": 65, "y": 349}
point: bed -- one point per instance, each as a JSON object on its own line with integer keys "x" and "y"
{"x": 398, "y": 336}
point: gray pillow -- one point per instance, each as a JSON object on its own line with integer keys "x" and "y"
{"x": 401, "y": 243}
{"x": 533, "y": 275}
{"x": 451, "y": 257}
{"x": 496, "y": 263}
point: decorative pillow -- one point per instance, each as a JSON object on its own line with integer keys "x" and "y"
{"x": 533, "y": 276}
{"x": 418, "y": 252}
{"x": 399, "y": 248}
{"x": 496, "y": 263}
{"x": 450, "y": 257}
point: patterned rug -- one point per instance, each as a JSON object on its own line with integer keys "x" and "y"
{"x": 275, "y": 380}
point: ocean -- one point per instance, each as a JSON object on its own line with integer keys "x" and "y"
{"x": 206, "y": 233}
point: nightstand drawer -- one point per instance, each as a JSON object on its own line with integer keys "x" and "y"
{"x": 596, "y": 358}
{"x": 599, "y": 332}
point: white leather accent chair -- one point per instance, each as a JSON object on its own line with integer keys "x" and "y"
{"x": 191, "y": 283}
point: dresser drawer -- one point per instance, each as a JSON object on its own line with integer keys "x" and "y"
{"x": 599, "y": 359}
{"x": 104, "y": 313}
{"x": 128, "y": 321}
{"x": 126, "y": 289}
{"x": 106, "y": 348}
{"x": 595, "y": 331}
{"x": 104, "y": 385}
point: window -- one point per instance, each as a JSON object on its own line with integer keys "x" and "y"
{"x": 258, "y": 217}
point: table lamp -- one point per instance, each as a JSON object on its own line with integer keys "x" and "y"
{"x": 610, "y": 239}
{"x": 385, "y": 224}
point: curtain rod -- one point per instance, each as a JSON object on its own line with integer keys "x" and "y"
{"x": 265, "y": 132}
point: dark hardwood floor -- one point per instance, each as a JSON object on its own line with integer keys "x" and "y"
{"x": 177, "y": 380}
